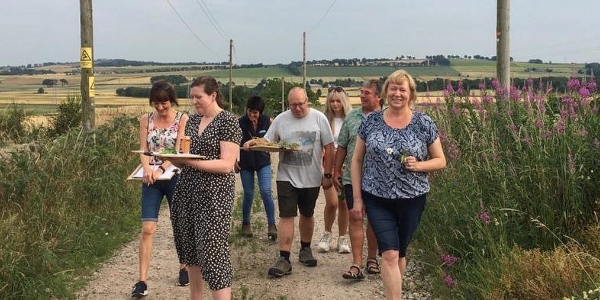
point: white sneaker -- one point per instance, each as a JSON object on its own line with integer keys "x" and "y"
{"x": 343, "y": 246}
{"x": 324, "y": 242}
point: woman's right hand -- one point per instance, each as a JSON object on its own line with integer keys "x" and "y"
{"x": 248, "y": 144}
{"x": 357, "y": 212}
{"x": 150, "y": 175}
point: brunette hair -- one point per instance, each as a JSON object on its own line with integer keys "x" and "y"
{"x": 210, "y": 85}
{"x": 163, "y": 91}
{"x": 256, "y": 103}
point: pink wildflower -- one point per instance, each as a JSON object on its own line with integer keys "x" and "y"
{"x": 448, "y": 280}
{"x": 573, "y": 84}
{"x": 448, "y": 260}
{"x": 484, "y": 217}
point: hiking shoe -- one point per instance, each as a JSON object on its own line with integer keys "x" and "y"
{"x": 272, "y": 232}
{"x": 246, "y": 230}
{"x": 282, "y": 267}
{"x": 183, "y": 280}
{"x": 343, "y": 246}
{"x": 306, "y": 257}
{"x": 140, "y": 289}
{"x": 325, "y": 241}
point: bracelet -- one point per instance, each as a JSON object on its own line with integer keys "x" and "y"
{"x": 162, "y": 168}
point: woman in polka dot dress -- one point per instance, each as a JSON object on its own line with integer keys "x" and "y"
{"x": 204, "y": 195}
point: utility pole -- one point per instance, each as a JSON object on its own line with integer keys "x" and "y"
{"x": 87, "y": 65}
{"x": 230, "y": 75}
{"x": 502, "y": 43}
{"x": 304, "y": 60}
{"x": 282, "y": 94}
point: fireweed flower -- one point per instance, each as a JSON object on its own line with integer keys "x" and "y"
{"x": 591, "y": 86}
{"x": 448, "y": 280}
{"x": 573, "y": 84}
{"x": 584, "y": 92}
{"x": 459, "y": 90}
{"x": 485, "y": 218}
{"x": 448, "y": 260}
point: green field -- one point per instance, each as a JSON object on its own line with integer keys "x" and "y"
{"x": 23, "y": 89}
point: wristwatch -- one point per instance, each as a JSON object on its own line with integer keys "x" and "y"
{"x": 327, "y": 175}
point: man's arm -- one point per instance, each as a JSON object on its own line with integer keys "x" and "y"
{"x": 338, "y": 163}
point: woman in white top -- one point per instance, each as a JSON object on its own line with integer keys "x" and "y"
{"x": 337, "y": 106}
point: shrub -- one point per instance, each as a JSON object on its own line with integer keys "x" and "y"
{"x": 69, "y": 116}
{"x": 13, "y": 126}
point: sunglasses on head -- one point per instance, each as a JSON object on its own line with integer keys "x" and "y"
{"x": 338, "y": 89}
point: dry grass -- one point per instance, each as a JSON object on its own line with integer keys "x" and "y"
{"x": 537, "y": 274}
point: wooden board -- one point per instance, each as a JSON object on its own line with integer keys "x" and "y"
{"x": 170, "y": 155}
{"x": 272, "y": 149}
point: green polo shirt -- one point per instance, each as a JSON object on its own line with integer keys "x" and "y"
{"x": 347, "y": 139}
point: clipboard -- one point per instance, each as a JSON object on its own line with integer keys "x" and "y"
{"x": 138, "y": 173}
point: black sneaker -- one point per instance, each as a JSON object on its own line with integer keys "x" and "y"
{"x": 184, "y": 280}
{"x": 140, "y": 289}
{"x": 281, "y": 267}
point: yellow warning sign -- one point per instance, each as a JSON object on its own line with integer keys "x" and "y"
{"x": 92, "y": 85}
{"x": 85, "y": 58}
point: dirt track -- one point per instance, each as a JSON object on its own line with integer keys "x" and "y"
{"x": 251, "y": 260}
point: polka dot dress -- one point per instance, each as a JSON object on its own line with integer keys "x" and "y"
{"x": 203, "y": 202}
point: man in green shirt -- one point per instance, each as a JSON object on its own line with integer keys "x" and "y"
{"x": 370, "y": 101}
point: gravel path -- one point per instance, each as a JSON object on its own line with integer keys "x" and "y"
{"x": 251, "y": 259}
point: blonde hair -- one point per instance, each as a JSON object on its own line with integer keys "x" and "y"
{"x": 399, "y": 77}
{"x": 346, "y": 107}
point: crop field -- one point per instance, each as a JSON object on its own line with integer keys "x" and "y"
{"x": 24, "y": 89}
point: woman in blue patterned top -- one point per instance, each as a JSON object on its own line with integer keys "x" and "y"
{"x": 395, "y": 150}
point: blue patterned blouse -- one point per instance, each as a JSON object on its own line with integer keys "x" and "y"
{"x": 384, "y": 174}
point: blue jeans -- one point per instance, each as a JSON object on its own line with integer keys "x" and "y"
{"x": 152, "y": 196}
{"x": 264, "y": 185}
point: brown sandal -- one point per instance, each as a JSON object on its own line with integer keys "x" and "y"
{"x": 372, "y": 266}
{"x": 354, "y": 276}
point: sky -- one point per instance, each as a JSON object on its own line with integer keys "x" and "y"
{"x": 271, "y": 31}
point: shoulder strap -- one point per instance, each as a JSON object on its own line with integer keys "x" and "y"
{"x": 149, "y": 119}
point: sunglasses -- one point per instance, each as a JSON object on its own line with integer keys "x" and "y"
{"x": 338, "y": 89}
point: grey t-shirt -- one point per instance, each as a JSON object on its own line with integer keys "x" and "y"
{"x": 304, "y": 168}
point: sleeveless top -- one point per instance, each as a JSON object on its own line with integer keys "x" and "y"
{"x": 162, "y": 138}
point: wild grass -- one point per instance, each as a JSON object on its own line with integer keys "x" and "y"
{"x": 64, "y": 205}
{"x": 514, "y": 215}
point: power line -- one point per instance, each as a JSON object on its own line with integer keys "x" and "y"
{"x": 323, "y": 17}
{"x": 190, "y": 29}
{"x": 212, "y": 19}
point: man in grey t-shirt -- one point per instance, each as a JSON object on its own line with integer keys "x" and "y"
{"x": 299, "y": 174}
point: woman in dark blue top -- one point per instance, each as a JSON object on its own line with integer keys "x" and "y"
{"x": 254, "y": 125}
